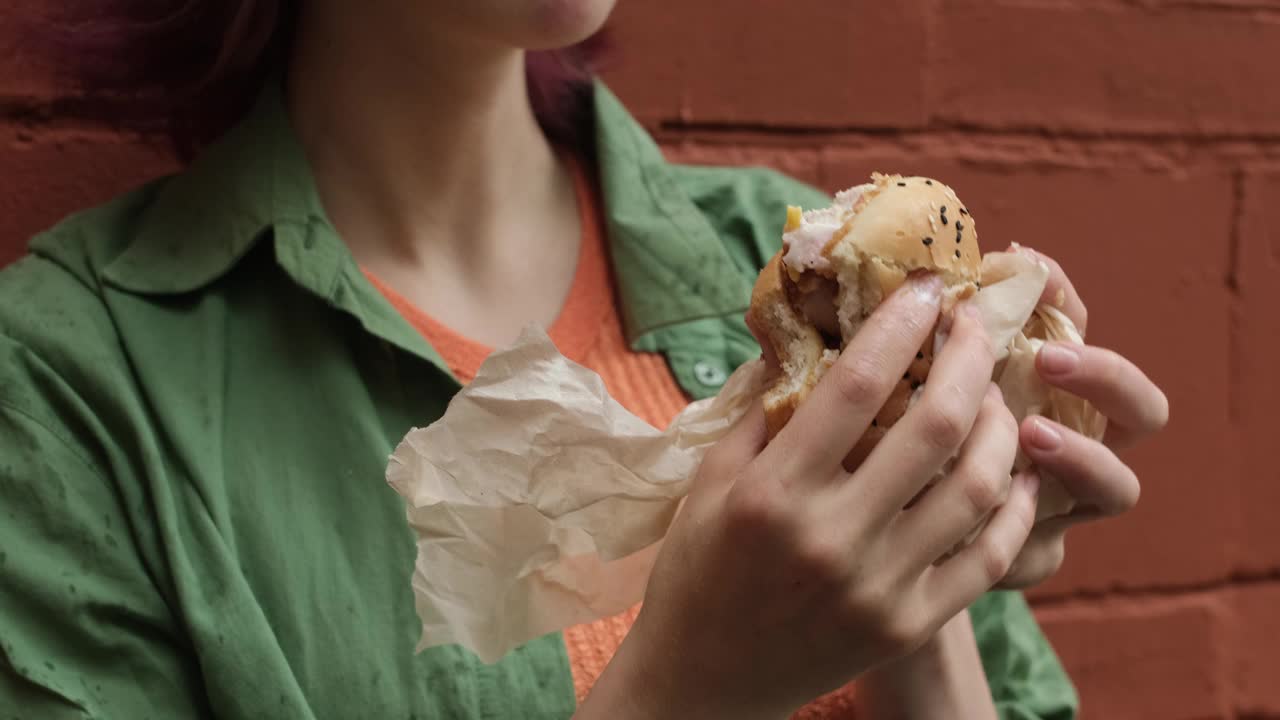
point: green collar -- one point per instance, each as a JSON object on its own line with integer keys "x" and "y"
{"x": 256, "y": 183}
{"x": 671, "y": 265}
{"x": 254, "y": 180}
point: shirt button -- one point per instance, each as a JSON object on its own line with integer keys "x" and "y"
{"x": 709, "y": 373}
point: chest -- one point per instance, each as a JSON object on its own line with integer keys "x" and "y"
{"x": 302, "y": 575}
{"x": 321, "y": 543}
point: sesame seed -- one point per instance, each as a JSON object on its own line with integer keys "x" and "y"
{"x": 902, "y": 184}
{"x": 957, "y": 254}
{"x": 927, "y": 241}
{"x": 963, "y": 211}
{"x": 928, "y": 182}
{"x": 945, "y": 221}
{"x": 944, "y": 209}
{"x": 959, "y": 226}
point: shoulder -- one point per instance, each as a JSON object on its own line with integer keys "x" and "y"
{"x": 747, "y": 206}
{"x": 57, "y": 334}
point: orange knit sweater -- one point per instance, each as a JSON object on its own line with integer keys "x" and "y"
{"x": 589, "y": 331}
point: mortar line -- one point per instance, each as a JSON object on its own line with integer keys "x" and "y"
{"x": 1235, "y": 581}
{"x": 713, "y": 130}
{"x": 1235, "y": 304}
{"x": 79, "y": 115}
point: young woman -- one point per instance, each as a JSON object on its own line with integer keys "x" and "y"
{"x": 200, "y": 383}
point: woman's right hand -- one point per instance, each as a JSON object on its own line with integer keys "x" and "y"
{"x": 785, "y": 576}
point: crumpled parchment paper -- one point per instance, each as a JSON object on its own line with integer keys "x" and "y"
{"x": 539, "y": 502}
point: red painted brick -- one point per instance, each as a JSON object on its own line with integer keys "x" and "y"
{"x": 42, "y": 180}
{"x": 1161, "y": 659}
{"x": 22, "y": 75}
{"x": 1073, "y": 66}
{"x": 801, "y": 164}
{"x": 1254, "y": 643}
{"x": 807, "y": 62}
{"x": 1153, "y": 276}
{"x": 1257, "y": 391}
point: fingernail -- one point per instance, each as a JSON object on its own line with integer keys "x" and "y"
{"x": 1044, "y": 436}
{"x": 1059, "y": 359}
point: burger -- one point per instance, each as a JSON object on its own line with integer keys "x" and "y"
{"x": 835, "y": 267}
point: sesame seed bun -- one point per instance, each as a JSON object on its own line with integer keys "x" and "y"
{"x": 912, "y": 223}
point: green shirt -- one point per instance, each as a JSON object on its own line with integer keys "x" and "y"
{"x": 199, "y": 391}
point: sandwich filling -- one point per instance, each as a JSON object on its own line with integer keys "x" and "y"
{"x": 811, "y": 280}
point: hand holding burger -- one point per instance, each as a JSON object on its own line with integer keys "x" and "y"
{"x": 787, "y": 572}
{"x": 839, "y": 263}
{"x": 808, "y": 553}
{"x": 1089, "y": 470}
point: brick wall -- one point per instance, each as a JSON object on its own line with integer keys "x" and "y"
{"x": 1138, "y": 141}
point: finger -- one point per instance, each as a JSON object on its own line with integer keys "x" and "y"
{"x": 1045, "y": 550}
{"x": 1041, "y": 556}
{"x": 979, "y": 482}
{"x": 932, "y": 430}
{"x": 1059, "y": 292}
{"x": 840, "y": 409}
{"x": 724, "y": 461}
{"x": 984, "y": 562}
{"x": 960, "y": 502}
{"x": 1111, "y": 383}
{"x": 1089, "y": 471}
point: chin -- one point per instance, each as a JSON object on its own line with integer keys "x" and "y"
{"x": 525, "y": 24}
{"x": 559, "y": 23}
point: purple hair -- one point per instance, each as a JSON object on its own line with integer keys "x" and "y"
{"x": 188, "y": 70}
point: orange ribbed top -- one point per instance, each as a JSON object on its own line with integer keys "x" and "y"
{"x": 588, "y": 331}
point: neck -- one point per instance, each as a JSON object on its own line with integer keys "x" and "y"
{"x": 420, "y": 146}
{"x": 432, "y": 168}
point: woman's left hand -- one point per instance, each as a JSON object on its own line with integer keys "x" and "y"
{"x": 1091, "y": 472}
{"x": 947, "y": 673}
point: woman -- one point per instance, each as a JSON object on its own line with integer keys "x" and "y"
{"x": 202, "y": 379}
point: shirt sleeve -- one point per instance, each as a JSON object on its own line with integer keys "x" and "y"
{"x": 1026, "y": 678}
{"x": 84, "y": 631}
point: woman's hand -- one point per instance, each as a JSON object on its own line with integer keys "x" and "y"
{"x": 784, "y": 575}
{"x": 1091, "y": 471}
